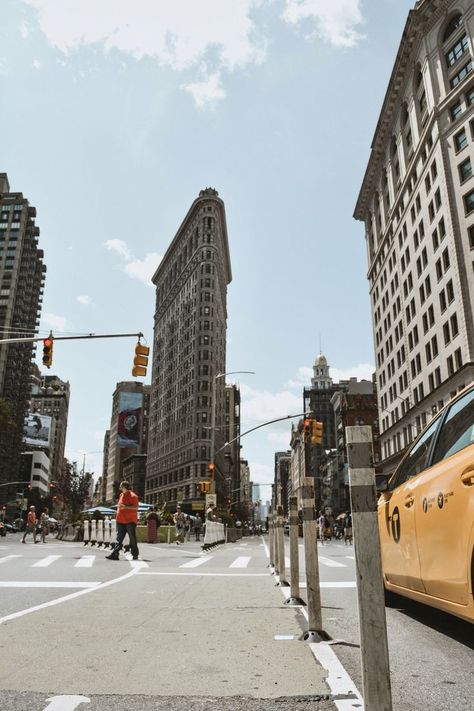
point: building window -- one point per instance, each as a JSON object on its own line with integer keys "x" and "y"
{"x": 457, "y": 51}
{"x": 465, "y": 170}
{"x": 452, "y": 27}
{"x": 469, "y": 202}
{"x": 461, "y": 74}
{"x": 460, "y": 140}
{"x": 455, "y": 110}
{"x": 470, "y": 232}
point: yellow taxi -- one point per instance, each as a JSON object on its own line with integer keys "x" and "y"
{"x": 426, "y": 513}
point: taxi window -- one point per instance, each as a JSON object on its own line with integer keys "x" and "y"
{"x": 416, "y": 461}
{"x": 457, "y": 431}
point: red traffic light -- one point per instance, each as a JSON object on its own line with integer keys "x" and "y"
{"x": 48, "y": 351}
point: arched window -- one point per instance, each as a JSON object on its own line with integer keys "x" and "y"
{"x": 452, "y": 26}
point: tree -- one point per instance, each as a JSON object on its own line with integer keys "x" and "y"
{"x": 72, "y": 487}
{"x": 7, "y": 422}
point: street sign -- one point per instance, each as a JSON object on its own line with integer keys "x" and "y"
{"x": 211, "y": 500}
{"x": 197, "y": 505}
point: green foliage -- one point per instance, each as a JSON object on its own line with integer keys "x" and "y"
{"x": 6, "y": 416}
{"x": 73, "y": 487}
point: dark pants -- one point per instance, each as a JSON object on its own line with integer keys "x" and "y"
{"x": 122, "y": 530}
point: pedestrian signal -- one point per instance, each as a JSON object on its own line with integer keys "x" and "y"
{"x": 140, "y": 361}
{"x": 205, "y": 487}
{"x": 48, "y": 351}
{"x": 317, "y": 433}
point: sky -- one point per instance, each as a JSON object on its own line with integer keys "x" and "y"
{"x": 115, "y": 114}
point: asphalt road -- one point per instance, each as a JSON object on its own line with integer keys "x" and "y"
{"x": 183, "y": 630}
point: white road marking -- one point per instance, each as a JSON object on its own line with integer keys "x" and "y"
{"x": 331, "y": 563}
{"x": 240, "y": 562}
{"x": 44, "y": 562}
{"x": 281, "y": 637}
{"x": 6, "y": 558}
{"x": 86, "y": 561}
{"x": 65, "y": 598}
{"x": 209, "y": 575}
{"x": 138, "y": 564}
{"x": 197, "y": 561}
{"x": 65, "y": 703}
{"x": 352, "y": 557}
{"x": 38, "y": 584}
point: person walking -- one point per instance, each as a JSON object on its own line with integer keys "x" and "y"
{"x": 197, "y": 527}
{"x": 127, "y": 519}
{"x": 179, "y": 520}
{"x": 44, "y": 524}
{"x": 321, "y": 526}
{"x": 188, "y": 527}
{"x": 348, "y": 528}
{"x": 153, "y": 523}
{"x": 31, "y": 523}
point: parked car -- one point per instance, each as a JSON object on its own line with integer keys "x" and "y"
{"x": 426, "y": 513}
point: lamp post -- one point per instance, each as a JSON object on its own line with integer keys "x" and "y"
{"x": 213, "y": 409}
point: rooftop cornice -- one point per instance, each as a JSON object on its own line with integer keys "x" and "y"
{"x": 425, "y": 14}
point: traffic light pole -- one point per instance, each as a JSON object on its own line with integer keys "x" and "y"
{"x": 264, "y": 424}
{"x": 73, "y": 338}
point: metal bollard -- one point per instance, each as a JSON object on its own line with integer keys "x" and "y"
{"x": 372, "y": 621}
{"x": 86, "y": 532}
{"x": 294, "y": 598}
{"x": 281, "y": 548}
{"x": 313, "y": 592}
{"x": 271, "y": 540}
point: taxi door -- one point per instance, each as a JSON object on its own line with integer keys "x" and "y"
{"x": 445, "y": 520}
{"x": 397, "y": 519}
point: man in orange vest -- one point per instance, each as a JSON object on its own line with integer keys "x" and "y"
{"x": 127, "y": 519}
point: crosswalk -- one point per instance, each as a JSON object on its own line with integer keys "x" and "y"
{"x": 88, "y": 561}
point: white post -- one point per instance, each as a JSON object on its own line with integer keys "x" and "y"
{"x": 370, "y": 592}
{"x": 294, "y": 598}
{"x": 281, "y": 547}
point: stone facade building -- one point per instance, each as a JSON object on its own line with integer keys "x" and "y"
{"x": 417, "y": 203}
{"x": 189, "y": 351}
{"x": 51, "y": 398}
{"x": 282, "y": 479}
{"x": 22, "y": 275}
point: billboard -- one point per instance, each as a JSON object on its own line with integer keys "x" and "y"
{"x": 37, "y": 430}
{"x": 129, "y": 419}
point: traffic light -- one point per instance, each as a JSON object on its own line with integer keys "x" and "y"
{"x": 210, "y": 469}
{"x": 307, "y": 429}
{"x": 140, "y": 361}
{"x": 48, "y": 351}
{"x": 317, "y": 434}
{"x": 205, "y": 487}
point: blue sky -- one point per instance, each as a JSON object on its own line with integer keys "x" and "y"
{"x": 115, "y": 114}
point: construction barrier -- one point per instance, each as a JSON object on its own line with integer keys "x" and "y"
{"x": 214, "y": 535}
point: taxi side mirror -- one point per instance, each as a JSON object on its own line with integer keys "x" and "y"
{"x": 381, "y": 483}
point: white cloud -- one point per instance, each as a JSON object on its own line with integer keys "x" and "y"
{"x": 334, "y": 21}
{"x": 119, "y": 246}
{"x": 263, "y": 406}
{"x": 145, "y": 268}
{"x": 281, "y": 439}
{"x": 207, "y": 92}
{"x": 37, "y": 64}
{"x": 24, "y": 30}
{"x": 141, "y": 269}
{"x": 84, "y": 299}
{"x": 261, "y": 473}
{"x": 182, "y": 34}
{"x": 55, "y": 322}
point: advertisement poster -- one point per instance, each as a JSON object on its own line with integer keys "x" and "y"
{"x": 37, "y": 430}
{"x": 130, "y": 412}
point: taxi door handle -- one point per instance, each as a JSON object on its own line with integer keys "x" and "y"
{"x": 467, "y": 477}
{"x": 409, "y": 501}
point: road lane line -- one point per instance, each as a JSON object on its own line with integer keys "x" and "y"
{"x": 38, "y": 584}
{"x": 7, "y": 558}
{"x": 331, "y": 563}
{"x": 241, "y": 562}
{"x": 197, "y": 561}
{"x": 65, "y": 598}
{"x": 209, "y": 575}
{"x": 86, "y": 561}
{"x": 44, "y": 562}
{"x": 334, "y": 584}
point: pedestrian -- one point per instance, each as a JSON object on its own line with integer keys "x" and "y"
{"x": 179, "y": 520}
{"x": 210, "y": 513}
{"x": 153, "y": 522}
{"x": 321, "y": 520}
{"x": 44, "y": 525}
{"x": 348, "y": 528}
{"x": 188, "y": 525}
{"x": 31, "y": 523}
{"x": 197, "y": 527}
{"x": 127, "y": 519}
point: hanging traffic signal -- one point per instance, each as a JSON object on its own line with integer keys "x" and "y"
{"x": 307, "y": 429}
{"x": 48, "y": 351}
{"x": 210, "y": 469}
{"x": 317, "y": 433}
{"x": 140, "y": 361}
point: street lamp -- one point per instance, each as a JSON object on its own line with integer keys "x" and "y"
{"x": 213, "y": 405}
